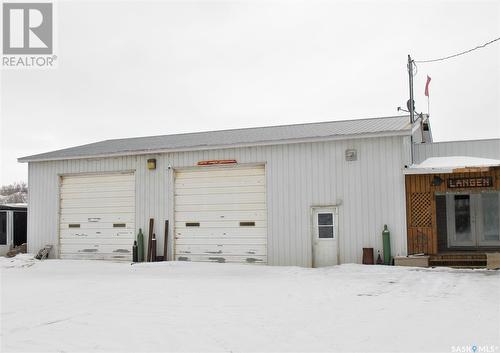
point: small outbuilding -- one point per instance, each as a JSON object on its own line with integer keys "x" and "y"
{"x": 307, "y": 194}
{"x": 13, "y": 226}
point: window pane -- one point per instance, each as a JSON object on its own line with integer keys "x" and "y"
{"x": 462, "y": 218}
{"x": 491, "y": 221}
{"x": 3, "y": 228}
{"x": 325, "y": 231}
{"x": 325, "y": 219}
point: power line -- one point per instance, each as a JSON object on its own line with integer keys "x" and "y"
{"x": 458, "y": 54}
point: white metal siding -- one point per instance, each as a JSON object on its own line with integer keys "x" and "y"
{"x": 97, "y": 217}
{"x": 369, "y": 192}
{"x": 475, "y": 148}
{"x": 216, "y": 199}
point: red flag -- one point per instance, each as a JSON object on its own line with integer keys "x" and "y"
{"x": 427, "y": 86}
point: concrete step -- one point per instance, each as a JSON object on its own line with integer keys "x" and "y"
{"x": 458, "y": 261}
{"x": 458, "y": 257}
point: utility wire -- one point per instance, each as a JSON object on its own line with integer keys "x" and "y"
{"x": 458, "y": 54}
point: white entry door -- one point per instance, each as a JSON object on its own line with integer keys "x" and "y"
{"x": 473, "y": 219}
{"x": 325, "y": 236}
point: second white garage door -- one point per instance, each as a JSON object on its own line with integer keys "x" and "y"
{"x": 97, "y": 217}
{"x": 220, "y": 214}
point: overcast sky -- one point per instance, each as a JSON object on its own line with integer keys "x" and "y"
{"x": 150, "y": 68}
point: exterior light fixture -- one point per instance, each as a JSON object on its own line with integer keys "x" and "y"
{"x": 436, "y": 181}
{"x": 152, "y": 164}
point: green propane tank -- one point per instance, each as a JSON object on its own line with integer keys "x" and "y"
{"x": 386, "y": 238}
{"x": 140, "y": 246}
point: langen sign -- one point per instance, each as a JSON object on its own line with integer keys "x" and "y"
{"x": 474, "y": 182}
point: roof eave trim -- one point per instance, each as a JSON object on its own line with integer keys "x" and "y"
{"x": 416, "y": 171}
{"x": 405, "y": 132}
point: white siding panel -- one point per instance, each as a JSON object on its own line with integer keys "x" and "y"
{"x": 489, "y": 148}
{"x": 369, "y": 193}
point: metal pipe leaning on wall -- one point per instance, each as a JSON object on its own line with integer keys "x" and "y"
{"x": 165, "y": 244}
{"x": 153, "y": 248}
{"x": 150, "y": 239}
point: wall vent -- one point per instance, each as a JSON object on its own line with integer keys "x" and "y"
{"x": 351, "y": 155}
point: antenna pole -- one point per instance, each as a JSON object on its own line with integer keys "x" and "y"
{"x": 411, "y": 105}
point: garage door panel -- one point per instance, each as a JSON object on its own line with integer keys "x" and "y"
{"x": 89, "y": 184}
{"x": 97, "y": 219}
{"x": 221, "y": 207}
{"x": 97, "y": 210}
{"x": 106, "y": 187}
{"x": 221, "y": 190}
{"x": 102, "y": 241}
{"x": 220, "y": 215}
{"x": 222, "y": 249}
{"x": 108, "y": 232}
{"x": 100, "y": 217}
{"x": 101, "y": 248}
{"x": 228, "y": 224}
{"x": 118, "y": 225}
{"x": 220, "y": 199}
{"x": 220, "y": 232}
{"x": 214, "y": 183}
{"x": 101, "y": 202}
{"x": 96, "y": 256}
{"x": 92, "y": 195}
{"x": 85, "y": 183}
{"x": 96, "y": 233}
{"x": 243, "y": 240}
{"x": 210, "y": 206}
{"x": 251, "y": 259}
{"x": 99, "y": 179}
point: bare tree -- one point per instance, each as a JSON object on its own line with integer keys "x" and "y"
{"x": 14, "y": 193}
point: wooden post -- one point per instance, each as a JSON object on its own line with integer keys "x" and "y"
{"x": 153, "y": 248}
{"x": 165, "y": 244}
{"x": 150, "y": 238}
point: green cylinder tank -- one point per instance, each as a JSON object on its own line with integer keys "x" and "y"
{"x": 140, "y": 246}
{"x": 386, "y": 238}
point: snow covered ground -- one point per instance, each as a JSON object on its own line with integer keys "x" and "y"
{"x": 93, "y": 306}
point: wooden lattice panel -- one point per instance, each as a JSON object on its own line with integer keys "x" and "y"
{"x": 420, "y": 203}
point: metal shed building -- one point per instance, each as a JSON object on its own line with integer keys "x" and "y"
{"x": 13, "y": 218}
{"x": 308, "y": 194}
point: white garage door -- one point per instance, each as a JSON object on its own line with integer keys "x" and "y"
{"x": 97, "y": 217}
{"x": 220, "y": 214}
